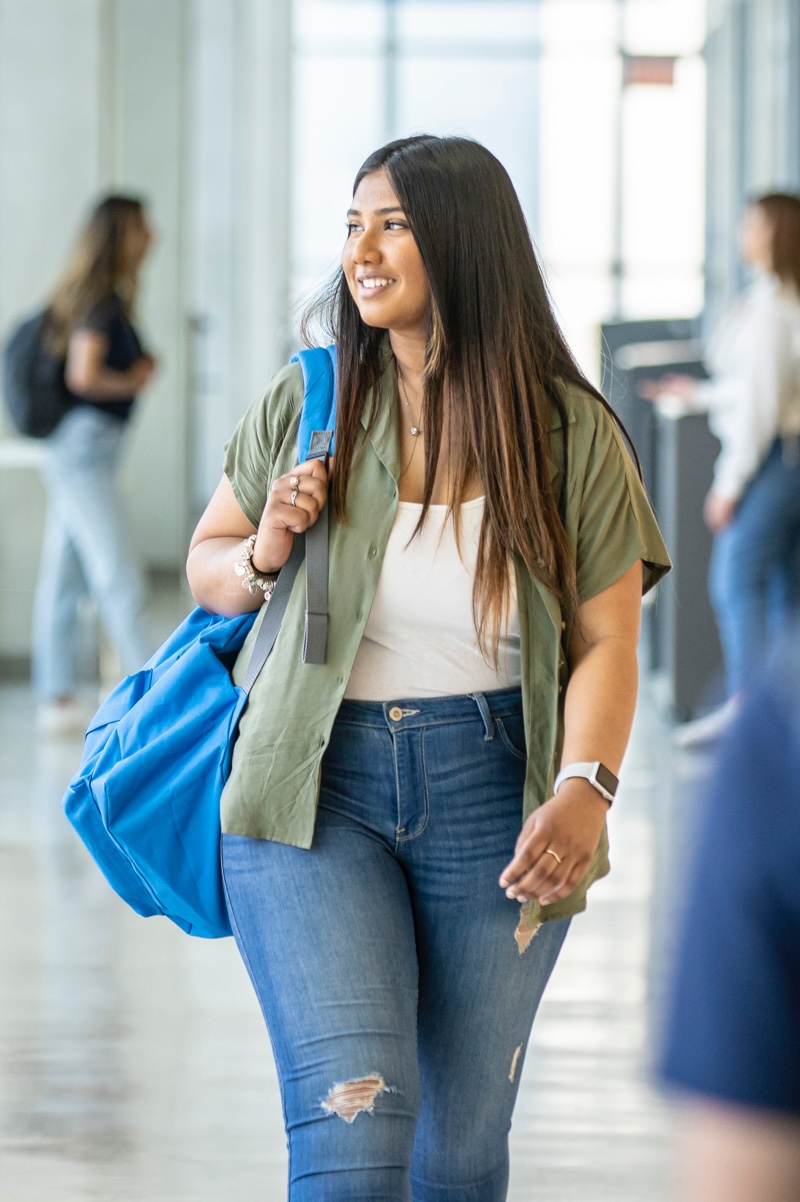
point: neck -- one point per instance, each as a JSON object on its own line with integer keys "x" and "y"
{"x": 409, "y": 351}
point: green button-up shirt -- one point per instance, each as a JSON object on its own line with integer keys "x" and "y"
{"x": 273, "y": 787}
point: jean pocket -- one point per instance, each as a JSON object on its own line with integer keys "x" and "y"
{"x": 511, "y": 730}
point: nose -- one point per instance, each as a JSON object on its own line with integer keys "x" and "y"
{"x": 365, "y": 248}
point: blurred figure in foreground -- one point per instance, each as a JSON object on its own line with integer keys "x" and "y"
{"x": 753, "y": 400}
{"x": 733, "y": 1024}
{"x": 86, "y": 543}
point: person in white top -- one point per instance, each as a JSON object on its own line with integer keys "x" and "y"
{"x": 753, "y": 403}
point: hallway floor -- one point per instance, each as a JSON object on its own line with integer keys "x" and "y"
{"x": 134, "y": 1064}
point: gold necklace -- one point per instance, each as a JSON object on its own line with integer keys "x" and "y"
{"x": 415, "y": 430}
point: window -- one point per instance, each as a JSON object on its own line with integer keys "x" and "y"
{"x": 610, "y": 175}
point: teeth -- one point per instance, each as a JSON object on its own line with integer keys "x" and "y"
{"x": 374, "y": 283}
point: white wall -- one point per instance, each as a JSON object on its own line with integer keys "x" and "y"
{"x": 185, "y": 102}
{"x": 50, "y": 54}
{"x": 145, "y": 46}
{"x": 238, "y": 215}
{"x": 91, "y": 99}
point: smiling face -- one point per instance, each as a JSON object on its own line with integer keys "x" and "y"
{"x": 381, "y": 261}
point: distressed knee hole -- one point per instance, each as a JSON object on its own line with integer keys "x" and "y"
{"x": 524, "y": 934}
{"x": 352, "y": 1097}
{"x": 514, "y": 1062}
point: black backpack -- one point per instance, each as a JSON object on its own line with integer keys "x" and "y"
{"x": 33, "y": 380}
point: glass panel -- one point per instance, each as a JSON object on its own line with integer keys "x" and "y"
{"x": 495, "y": 102}
{"x": 488, "y": 23}
{"x": 334, "y": 131}
{"x": 664, "y": 26}
{"x": 663, "y": 172}
{"x": 651, "y": 294}
{"x": 577, "y": 163}
{"x": 574, "y": 23}
{"x": 339, "y": 24}
{"x": 581, "y": 302}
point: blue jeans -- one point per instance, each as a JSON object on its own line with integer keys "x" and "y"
{"x": 398, "y": 1001}
{"x": 86, "y": 551}
{"x": 754, "y": 578}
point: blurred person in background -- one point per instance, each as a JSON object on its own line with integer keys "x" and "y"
{"x": 87, "y": 547}
{"x": 732, "y": 1043}
{"x": 753, "y": 402}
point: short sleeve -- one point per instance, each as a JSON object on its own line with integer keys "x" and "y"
{"x": 102, "y": 316}
{"x": 610, "y": 509}
{"x": 254, "y": 445}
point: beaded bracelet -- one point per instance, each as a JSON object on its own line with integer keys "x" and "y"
{"x": 253, "y": 579}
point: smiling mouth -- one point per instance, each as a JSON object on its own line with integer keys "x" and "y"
{"x": 374, "y": 283}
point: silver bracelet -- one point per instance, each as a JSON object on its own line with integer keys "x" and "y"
{"x": 253, "y": 579}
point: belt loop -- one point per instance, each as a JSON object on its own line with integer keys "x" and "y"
{"x": 488, "y": 720}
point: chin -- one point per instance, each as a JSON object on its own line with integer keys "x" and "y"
{"x": 373, "y": 322}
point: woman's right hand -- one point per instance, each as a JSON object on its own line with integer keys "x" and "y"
{"x": 673, "y": 386}
{"x": 281, "y": 520}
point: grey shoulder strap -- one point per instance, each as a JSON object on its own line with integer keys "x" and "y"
{"x": 314, "y": 546}
{"x": 315, "y": 642}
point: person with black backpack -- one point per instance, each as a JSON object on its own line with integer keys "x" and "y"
{"x": 87, "y": 549}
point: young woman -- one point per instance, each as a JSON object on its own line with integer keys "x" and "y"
{"x": 753, "y": 401}
{"x": 86, "y": 545}
{"x": 399, "y": 874}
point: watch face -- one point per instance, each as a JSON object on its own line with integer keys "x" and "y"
{"x": 606, "y": 778}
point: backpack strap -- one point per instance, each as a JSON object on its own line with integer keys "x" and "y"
{"x": 315, "y": 438}
{"x": 319, "y": 397}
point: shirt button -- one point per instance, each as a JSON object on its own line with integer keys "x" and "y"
{"x": 395, "y": 713}
{"x": 373, "y": 551}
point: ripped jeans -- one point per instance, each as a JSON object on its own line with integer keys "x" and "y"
{"x": 398, "y": 1000}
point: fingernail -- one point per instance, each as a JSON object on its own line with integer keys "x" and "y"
{"x": 511, "y": 894}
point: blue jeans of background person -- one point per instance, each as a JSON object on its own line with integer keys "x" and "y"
{"x": 87, "y": 549}
{"x": 755, "y": 566}
{"x": 398, "y": 1000}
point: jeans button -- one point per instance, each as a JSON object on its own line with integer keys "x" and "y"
{"x": 395, "y": 713}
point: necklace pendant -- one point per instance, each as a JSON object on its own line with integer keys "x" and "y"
{"x": 416, "y": 431}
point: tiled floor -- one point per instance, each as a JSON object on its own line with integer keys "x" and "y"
{"x": 134, "y": 1066}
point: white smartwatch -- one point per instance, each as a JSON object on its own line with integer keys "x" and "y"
{"x": 600, "y": 777}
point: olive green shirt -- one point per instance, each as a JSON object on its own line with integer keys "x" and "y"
{"x": 274, "y": 783}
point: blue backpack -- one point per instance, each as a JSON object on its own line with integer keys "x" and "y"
{"x": 145, "y": 799}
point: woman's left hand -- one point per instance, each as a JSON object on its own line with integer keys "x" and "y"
{"x": 569, "y": 825}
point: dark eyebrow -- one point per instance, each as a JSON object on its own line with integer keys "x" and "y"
{"x": 379, "y": 212}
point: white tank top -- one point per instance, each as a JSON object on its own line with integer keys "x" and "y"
{"x": 420, "y": 638}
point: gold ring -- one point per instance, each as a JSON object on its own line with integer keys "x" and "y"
{"x": 554, "y": 854}
{"x": 294, "y": 481}
{"x": 295, "y": 491}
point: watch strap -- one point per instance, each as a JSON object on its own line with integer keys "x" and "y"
{"x": 596, "y": 773}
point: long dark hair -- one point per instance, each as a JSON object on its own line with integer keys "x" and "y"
{"x": 782, "y": 210}
{"x": 496, "y": 364}
{"x": 101, "y": 264}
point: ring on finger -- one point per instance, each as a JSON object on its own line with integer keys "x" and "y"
{"x": 554, "y": 854}
{"x": 294, "y": 481}
{"x": 295, "y": 491}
